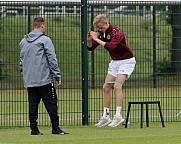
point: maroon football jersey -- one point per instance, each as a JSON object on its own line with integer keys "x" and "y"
{"x": 115, "y": 43}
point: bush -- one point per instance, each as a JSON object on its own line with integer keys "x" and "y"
{"x": 1, "y": 62}
{"x": 163, "y": 67}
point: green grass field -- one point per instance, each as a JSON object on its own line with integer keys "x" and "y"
{"x": 154, "y": 134}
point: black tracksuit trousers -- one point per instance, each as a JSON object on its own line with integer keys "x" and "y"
{"x": 49, "y": 97}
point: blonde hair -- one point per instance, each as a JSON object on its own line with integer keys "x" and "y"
{"x": 99, "y": 18}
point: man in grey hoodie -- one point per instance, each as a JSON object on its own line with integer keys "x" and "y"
{"x": 39, "y": 67}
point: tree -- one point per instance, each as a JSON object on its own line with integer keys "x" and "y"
{"x": 0, "y": 46}
{"x": 176, "y": 39}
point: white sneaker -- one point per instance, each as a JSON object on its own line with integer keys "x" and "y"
{"x": 116, "y": 121}
{"x": 103, "y": 121}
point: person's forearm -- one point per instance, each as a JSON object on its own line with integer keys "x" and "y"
{"x": 89, "y": 43}
{"x": 102, "y": 43}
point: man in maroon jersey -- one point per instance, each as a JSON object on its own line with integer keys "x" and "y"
{"x": 120, "y": 67}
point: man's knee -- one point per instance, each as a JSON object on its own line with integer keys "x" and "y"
{"x": 107, "y": 87}
{"x": 117, "y": 87}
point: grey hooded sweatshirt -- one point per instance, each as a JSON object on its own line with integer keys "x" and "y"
{"x": 38, "y": 63}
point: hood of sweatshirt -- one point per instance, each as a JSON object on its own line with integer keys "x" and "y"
{"x": 33, "y": 35}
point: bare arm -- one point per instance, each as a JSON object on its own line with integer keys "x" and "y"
{"x": 89, "y": 40}
{"x": 94, "y": 36}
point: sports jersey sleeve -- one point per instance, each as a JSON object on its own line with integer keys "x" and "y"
{"x": 94, "y": 45}
{"x": 116, "y": 38}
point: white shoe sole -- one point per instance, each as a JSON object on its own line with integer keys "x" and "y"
{"x": 103, "y": 124}
{"x": 116, "y": 124}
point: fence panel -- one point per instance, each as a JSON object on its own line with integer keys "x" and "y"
{"x": 149, "y": 33}
{"x": 63, "y": 25}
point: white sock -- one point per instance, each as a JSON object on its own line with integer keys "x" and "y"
{"x": 106, "y": 112}
{"x": 118, "y": 111}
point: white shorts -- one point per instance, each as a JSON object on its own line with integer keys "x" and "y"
{"x": 121, "y": 67}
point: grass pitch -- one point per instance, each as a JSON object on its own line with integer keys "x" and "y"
{"x": 154, "y": 134}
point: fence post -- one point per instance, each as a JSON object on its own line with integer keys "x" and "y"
{"x": 92, "y": 52}
{"x": 29, "y": 19}
{"x": 154, "y": 49}
{"x": 84, "y": 62}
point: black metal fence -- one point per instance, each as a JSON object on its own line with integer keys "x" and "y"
{"x": 152, "y": 31}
